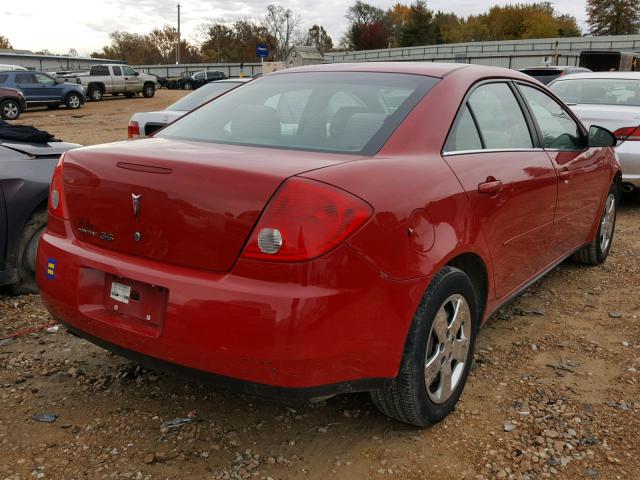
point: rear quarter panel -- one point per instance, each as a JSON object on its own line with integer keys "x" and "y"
{"x": 409, "y": 180}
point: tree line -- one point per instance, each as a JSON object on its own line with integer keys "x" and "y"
{"x": 369, "y": 27}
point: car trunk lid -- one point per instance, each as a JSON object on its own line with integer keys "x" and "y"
{"x": 188, "y": 203}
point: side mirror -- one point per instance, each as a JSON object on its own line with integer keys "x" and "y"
{"x": 136, "y": 73}
{"x": 601, "y": 137}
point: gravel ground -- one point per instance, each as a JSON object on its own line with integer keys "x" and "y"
{"x": 553, "y": 393}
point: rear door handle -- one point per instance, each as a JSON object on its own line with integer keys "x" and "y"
{"x": 490, "y": 187}
{"x": 565, "y": 174}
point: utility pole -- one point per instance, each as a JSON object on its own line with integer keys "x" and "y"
{"x": 178, "y": 46}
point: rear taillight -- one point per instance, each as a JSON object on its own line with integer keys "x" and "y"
{"x": 133, "y": 130}
{"x": 304, "y": 220}
{"x": 628, "y": 134}
{"x": 57, "y": 207}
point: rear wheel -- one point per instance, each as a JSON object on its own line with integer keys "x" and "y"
{"x": 187, "y": 86}
{"x": 95, "y": 93}
{"x": 10, "y": 109}
{"x": 73, "y": 101}
{"x": 597, "y": 251}
{"x": 149, "y": 90}
{"x": 437, "y": 354}
{"x": 27, "y": 250}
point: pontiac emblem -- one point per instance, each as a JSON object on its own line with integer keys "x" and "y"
{"x": 136, "y": 204}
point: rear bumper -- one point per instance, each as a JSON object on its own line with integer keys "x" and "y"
{"x": 629, "y": 156}
{"x": 327, "y": 326}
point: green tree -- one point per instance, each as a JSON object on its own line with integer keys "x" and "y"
{"x": 397, "y": 17}
{"x": 613, "y": 17}
{"x": 318, "y": 37}
{"x": 368, "y": 27}
{"x": 4, "y": 42}
{"x": 419, "y": 29}
{"x": 447, "y": 27}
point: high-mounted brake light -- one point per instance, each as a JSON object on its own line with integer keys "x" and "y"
{"x": 133, "y": 129}
{"x": 57, "y": 207}
{"x": 628, "y": 134}
{"x": 305, "y": 219}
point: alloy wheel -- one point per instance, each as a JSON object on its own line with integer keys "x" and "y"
{"x": 74, "y": 101}
{"x": 607, "y": 223}
{"x": 447, "y": 349}
{"x": 11, "y": 110}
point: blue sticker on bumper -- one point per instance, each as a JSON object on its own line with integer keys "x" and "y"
{"x": 51, "y": 268}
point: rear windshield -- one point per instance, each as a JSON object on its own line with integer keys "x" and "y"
{"x": 347, "y": 112}
{"x": 599, "y": 91}
{"x": 202, "y": 95}
{"x": 544, "y": 75}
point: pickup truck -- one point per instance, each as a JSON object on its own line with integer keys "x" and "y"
{"x": 113, "y": 80}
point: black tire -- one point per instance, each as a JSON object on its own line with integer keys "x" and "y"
{"x": 406, "y": 397}
{"x": 73, "y": 101}
{"x": 95, "y": 93}
{"x": 26, "y": 257}
{"x": 187, "y": 86}
{"x": 597, "y": 251}
{"x": 10, "y": 109}
{"x": 149, "y": 90}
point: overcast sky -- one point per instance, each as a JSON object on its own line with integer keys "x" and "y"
{"x": 86, "y": 24}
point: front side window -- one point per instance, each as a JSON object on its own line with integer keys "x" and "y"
{"x": 499, "y": 117}
{"x": 3, "y": 78}
{"x": 559, "y": 130}
{"x": 464, "y": 135}
{"x": 128, "y": 70}
{"x": 297, "y": 110}
{"x": 43, "y": 79}
{"x": 117, "y": 71}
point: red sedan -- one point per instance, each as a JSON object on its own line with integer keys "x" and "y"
{"x": 329, "y": 229}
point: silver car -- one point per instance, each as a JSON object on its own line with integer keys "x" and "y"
{"x": 610, "y": 100}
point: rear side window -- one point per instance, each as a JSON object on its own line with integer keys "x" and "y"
{"x": 559, "y": 130}
{"x": 117, "y": 71}
{"x": 3, "y": 78}
{"x": 345, "y": 112}
{"x": 99, "y": 70}
{"x": 24, "y": 78}
{"x": 464, "y": 135}
{"x": 499, "y": 117}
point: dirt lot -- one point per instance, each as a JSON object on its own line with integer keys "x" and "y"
{"x": 100, "y": 122}
{"x": 554, "y": 392}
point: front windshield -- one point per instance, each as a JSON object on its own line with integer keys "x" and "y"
{"x": 202, "y": 95}
{"x": 346, "y": 112}
{"x": 598, "y": 91}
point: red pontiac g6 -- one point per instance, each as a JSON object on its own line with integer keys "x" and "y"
{"x": 329, "y": 229}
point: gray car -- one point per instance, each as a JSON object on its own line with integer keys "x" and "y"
{"x": 610, "y": 100}
{"x": 25, "y": 174}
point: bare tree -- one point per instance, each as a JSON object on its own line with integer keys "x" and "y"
{"x": 283, "y": 25}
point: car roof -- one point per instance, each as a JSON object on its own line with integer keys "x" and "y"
{"x": 430, "y": 69}
{"x": 609, "y": 75}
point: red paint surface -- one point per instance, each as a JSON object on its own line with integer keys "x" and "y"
{"x": 345, "y": 314}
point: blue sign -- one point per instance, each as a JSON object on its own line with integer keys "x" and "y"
{"x": 262, "y": 50}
